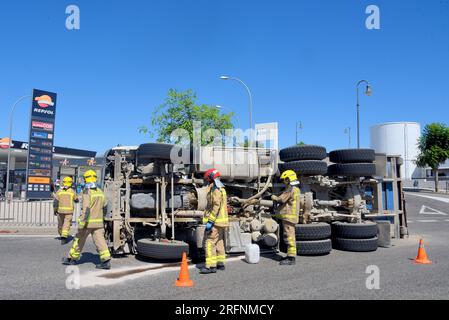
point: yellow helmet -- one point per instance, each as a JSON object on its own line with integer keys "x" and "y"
{"x": 67, "y": 182}
{"x": 290, "y": 175}
{"x": 90, "y": 176}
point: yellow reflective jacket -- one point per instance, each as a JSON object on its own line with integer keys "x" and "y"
{"x": 94, "y": 201}
{"x": 217, "y": 207}
{"x": 289, "y": 205}
{"x": 64, "y": 201}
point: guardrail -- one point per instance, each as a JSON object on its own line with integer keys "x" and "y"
{"x": 30, "y": 213}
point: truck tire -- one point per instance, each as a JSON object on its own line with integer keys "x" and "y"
{"x": 313, "y": 231}
{"x": 303, "y": 153}
{"x": 154, "y": 151}
{"x": 352, "y": 169}
{"x": 355, "y": 245}
{"x": 352, "y": 155}
{"x": 305, "y": 167}
{"x": 162, "y": 250}
{"x": 313, "y": 248}
{"x": 365, "y": 230}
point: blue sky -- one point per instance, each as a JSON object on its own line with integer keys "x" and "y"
{"x": 301, "y": 59}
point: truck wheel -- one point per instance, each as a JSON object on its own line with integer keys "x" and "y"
{"x": 352, "y": 169}
{"x": 313, "y": 231}
{"x": 303, "y": 153}
{"x": 154, "y": 151}
{"x": 355, "y": 245}
{"x": 162, "y": 250}
{"x": 364, "y": 230}
{"x": 313, "y": 248}
{"x": 305, "y": 167}
{"x": 352, "y": 155}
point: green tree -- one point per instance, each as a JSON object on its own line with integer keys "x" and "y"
{"x": 434, "y": 148}
{"x": 179, "y": 111}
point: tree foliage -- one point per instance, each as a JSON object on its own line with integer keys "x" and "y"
{"x": 434, "y": 147}
{"x": 179, "y": 111}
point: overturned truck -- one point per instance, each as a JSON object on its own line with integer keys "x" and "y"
{"x": 156, "y": 198}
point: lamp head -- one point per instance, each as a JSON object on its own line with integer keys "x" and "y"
{"x": 369, "y": 90}
{"x": 224, "y": 78}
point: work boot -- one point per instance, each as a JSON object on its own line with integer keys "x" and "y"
{"x": 205, "y": 270}
{"x": 221, "y": 266}
{"x": 68, "y": 261}
{"x": 64, "y": 241}
{"x": 106, "y": 265}
{"x": 288, "y": 262}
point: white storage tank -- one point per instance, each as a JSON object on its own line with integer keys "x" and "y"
{"x": 399, "y": 138}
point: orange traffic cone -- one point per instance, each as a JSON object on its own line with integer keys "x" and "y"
{"x": 183, "y": 279}
{"x": 422, "y": 256}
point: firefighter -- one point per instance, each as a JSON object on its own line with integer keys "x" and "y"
{"x": 64, "y": 206}
{"x": 91, "y": 222}
{"x": 287, "y": 210}
{"x": 216, "y": 221}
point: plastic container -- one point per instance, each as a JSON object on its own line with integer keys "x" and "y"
{"x": 252, "y": 253}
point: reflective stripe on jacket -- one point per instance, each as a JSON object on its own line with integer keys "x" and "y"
{"x": 94, "y": 201}
{"x": 217, "y": 207}
{"x": 289, "y": 205}
{"x": 64, "y": 201}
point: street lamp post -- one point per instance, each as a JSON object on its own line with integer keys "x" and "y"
{"x": 250, "y": 101}
{"x": 10, "y": 138}
{"x": 368, "y": 93}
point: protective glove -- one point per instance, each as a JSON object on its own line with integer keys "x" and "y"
{"x": 209, "y": 226}
{"x": 274, "y": 198}
{"x": 55, "y": 212}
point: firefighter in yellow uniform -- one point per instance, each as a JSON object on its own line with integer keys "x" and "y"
{"x": 91, "y": 222}
{"x": 287, "y": 209}
{"x": 216, "y": 221}
{"x": 64, "y": 206}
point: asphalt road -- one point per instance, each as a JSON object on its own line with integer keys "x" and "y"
{"x": 30, "y": 269}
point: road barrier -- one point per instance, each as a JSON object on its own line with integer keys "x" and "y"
{"x": 30, "y": 213}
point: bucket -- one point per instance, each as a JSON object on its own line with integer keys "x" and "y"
{"x": 252, "y": 253}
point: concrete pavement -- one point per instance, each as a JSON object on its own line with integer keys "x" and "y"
{"x": 30, "y": 268}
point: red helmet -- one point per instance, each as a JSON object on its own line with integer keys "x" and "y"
{"x": 211, "y": 175}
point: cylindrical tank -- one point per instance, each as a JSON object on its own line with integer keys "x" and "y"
{"x": 399, "y": 138}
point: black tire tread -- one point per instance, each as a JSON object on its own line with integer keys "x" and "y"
{"x": 355, "y": 245}
{"x": 314, "y": 248}
{"x": 313, "y": 231}
{"x": 305, "y": 167}
{"x": 307, "y": 152}
{"x": 352, "y": 155}
{"x": 154, "y": 151}
{"x": 162, "y": 250}
{"x": 352, "y": 169}
{"x": 365, "y": 230}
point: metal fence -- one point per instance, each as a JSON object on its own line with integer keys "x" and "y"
{"x": 30, "y": 213}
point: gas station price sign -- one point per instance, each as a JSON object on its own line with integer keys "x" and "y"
{"x": 40, "y": 151}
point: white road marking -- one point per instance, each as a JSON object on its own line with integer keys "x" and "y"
{"x": 9, "y": 235}
{"x": 427, "y": 220}
{"x": 98, "y": 278}
{"x": 432, "y": 211}
{"x": 446, "y": 200}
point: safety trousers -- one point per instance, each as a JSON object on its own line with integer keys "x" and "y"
{"x": 214, "y": 247}
{"x": 64, "y": 224}
{"x": 99, "y": 241}
{"x": 290, "y": 238}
